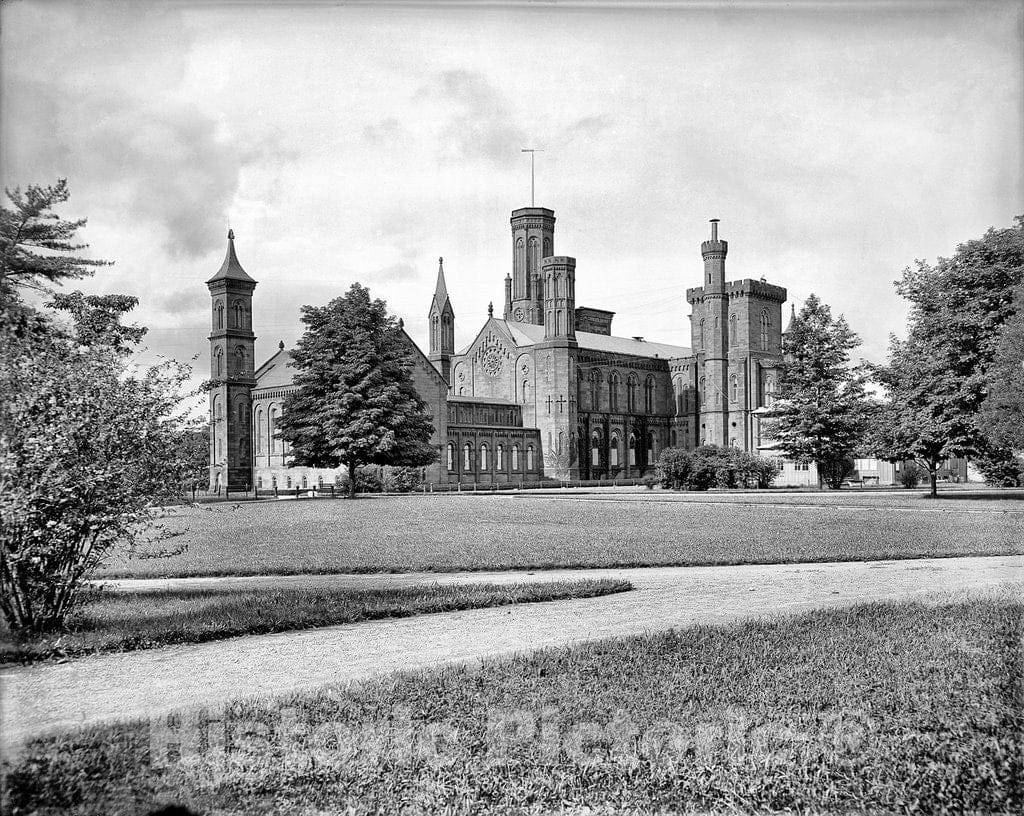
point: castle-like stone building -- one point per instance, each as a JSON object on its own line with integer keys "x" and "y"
{"x": 546, "y": 391}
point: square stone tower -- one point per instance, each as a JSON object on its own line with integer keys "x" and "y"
{"x": 736, "y": 330}
{"x": 232, "y": 373}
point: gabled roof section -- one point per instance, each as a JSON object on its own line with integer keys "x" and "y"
{"x": 503, "y": 329}
{"x": 231, "y": 269}
{"x": 422, "y": 358}
{"x": 529, "y": 334}
{"x": 276, "y": 372}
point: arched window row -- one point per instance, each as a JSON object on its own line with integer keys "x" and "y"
{"x": 484, "y": 457}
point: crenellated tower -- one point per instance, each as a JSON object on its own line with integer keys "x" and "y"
{"x": 533, "y": 239}
{"x": 736, "y": 339}
{"x": 232, "y": 372}
{"x": 442, "y": 326}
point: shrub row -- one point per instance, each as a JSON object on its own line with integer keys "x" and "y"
{"x": 713, "y": 466}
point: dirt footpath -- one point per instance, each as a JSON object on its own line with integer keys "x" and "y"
{"x": 38, "y": 699}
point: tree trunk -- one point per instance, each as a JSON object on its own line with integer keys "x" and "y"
{"x": 933, "y": 477}
{"x": 351, "y": 480}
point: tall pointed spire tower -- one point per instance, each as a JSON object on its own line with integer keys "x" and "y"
{"x": 232, "y": 372}
{"x": 442, "y": 326}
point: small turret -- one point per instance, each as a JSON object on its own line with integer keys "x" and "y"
{"x": 714, "y": 252}
{"x": 508, "y": 297}
{"x": 442, "y": 326}
{"x": 560, "y": 298}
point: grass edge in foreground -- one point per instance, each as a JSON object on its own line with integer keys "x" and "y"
{"x": 227, "y": 612}
{"x": 881, "y": 707}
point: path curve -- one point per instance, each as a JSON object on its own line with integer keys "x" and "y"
{"x": 49, "y": 697}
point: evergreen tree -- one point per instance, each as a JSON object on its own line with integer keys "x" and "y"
{"x": 36, "y": 246}
{"x": 355, "y": 403}
{"x": 938, "y": 378}
{"x": 821, "y": 410}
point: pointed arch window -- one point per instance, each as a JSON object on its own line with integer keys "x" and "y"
{"x": 732, "y": 330}
{"x": 649, "y": 396}
{"x": 515, "y": 457}
{"x": 613, "y": 451}
{"x": 521, "y": 267}
{"x": 529, "y": 457}
{"x": 467, "y": 457}
{"x": 650, "y": 449}
{"x": 436, "y": 333}
{"x": 533, "y": 257}
{"x": 483, "y": 456}
{"x": 632, "y": 449}
{"x": 561, "y": 442}
{"x": 703, "y": 335}
{"x": 451, "y": 456}
{"x": 613, "y": 391}
{"x": 218, "y": 363}
{"x": 219, "y": 316}
{"x": 547, "y": 247}
{"x": 701, "y": 390}
{"x": 769, "y": 391}
{"x": 734, "y": 390}
{"x": 240, "y": 359}
{"x": 526, "y": 391}
{"x": 631, "y": 389}
{"x": 499, "y": 457}
{"x": 239, "y": 312}
{"x": 766, "y": 324}
{"x": 259, "y": 431}
{"x": 594, "y": 381}
{"x": 595, "y": 449}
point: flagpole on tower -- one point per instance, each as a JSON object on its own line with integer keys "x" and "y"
{"x": 533, "y": 151}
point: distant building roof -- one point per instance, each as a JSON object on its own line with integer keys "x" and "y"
{"x": 276, "y": 372}
{"x": 528, "y": 334}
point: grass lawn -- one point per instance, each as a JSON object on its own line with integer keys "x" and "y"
{"x": 898, "y": 707}
{"x": 123, "y": 621}
{"x": 451, "y": 532}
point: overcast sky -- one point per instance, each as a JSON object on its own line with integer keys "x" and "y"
{"x": 837, "y": 142}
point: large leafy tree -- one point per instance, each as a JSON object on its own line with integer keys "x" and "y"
{"x": 821, "y": 409}
{"x": 37, "y": 247}
{"x": 355, "y": 403}
{"x": 940, "y": 375}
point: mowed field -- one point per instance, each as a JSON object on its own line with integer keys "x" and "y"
{"x": 904, "y": 707}
{"x": 477, "y": 532}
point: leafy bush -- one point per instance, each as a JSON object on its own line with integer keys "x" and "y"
{"x": 1001, "y": 467}
{"x": 835, "y": 471}
{"x": 713, "y": 466}
{"x": 89, "y": 446}
{"x": 910, "y": 475}
{"x": 673, "y": 468}
{"x": 400, "y": 479}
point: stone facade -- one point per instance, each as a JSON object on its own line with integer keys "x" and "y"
{"x": 545, "y": 391}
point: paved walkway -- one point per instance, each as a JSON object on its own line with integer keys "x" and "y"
{"x": 42, "y": 698}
